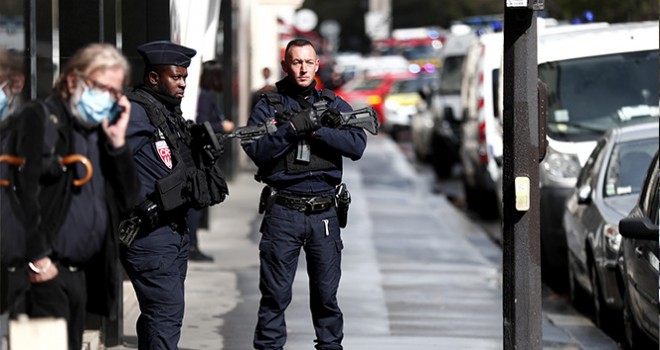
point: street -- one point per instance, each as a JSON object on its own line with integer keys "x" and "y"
{"x": 418, "y": 271}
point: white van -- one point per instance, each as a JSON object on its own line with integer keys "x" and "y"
{"x": 597, "y": 78}
{"x": 444, "y": 138}
{"x": 481, "y": 132}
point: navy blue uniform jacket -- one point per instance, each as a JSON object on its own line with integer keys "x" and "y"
{"x": 350, "y": 142}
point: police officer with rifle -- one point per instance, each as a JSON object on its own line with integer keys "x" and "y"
{"x": 300, "y": 163}
{"x": 176, "y": 174}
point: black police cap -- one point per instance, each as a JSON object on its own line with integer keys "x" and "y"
{"x": 166, "y": 53}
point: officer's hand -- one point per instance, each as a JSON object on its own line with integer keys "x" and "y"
{"x": 331, "y": 118}
{"x": 305, "y": 121}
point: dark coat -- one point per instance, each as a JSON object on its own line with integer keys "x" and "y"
{"x": 46, "y": 195}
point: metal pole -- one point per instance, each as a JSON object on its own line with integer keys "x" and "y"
{"x": 521, "y": 229}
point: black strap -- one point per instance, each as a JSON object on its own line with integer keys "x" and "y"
{"x": 158, "y": 118}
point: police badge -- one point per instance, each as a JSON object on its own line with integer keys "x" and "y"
{"x": 164, "y": 152}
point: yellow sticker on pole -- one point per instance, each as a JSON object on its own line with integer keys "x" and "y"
{"x": 522, "y": 193}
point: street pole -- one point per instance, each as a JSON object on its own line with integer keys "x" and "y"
{"x": 520, "y": 181}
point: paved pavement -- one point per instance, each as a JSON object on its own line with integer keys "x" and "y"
{"x": 417, "y": 273}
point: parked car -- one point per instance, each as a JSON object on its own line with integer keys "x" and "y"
{"x": 370, "y": 90}
{"x": 606, "y": 190}
{"x": 441, "y": 144}
{"x": 404, "y": 100}
{"x": 638, "y": 263}
{"x": 591, "y": 88}
{"x": 481, "y": 129}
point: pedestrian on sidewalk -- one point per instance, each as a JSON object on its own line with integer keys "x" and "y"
{"x": 208, "y": 110}
{"x": 175, "y": 178}
{"x": 72, "y": 197}
{"x": 299, "y": 199}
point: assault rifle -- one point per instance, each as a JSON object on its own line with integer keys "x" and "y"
{"x": 364, "y": 118}
{"x": 212, "y": 144}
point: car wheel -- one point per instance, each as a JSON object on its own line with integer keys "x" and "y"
{"x": 481, "y": 202}
{"x": 579, "y": 297}
{"x": 634, "y": 337}
{"x": 603, "y": 316}
{"x": 441, "y": 158}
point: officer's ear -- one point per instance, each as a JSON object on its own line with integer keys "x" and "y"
{"x": 152, "y": 78}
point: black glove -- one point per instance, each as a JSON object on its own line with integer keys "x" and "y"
{"x": 305, "y": 121}
{"x": 331, "y": 118}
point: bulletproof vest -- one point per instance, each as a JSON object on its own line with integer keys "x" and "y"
{"x": 173, "y": 129}
{"x": 322, "y": 157}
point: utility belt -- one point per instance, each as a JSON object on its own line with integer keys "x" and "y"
{"x": 308, "y": 204}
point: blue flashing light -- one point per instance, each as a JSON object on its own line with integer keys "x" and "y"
{"x": 576, "y": 21}
{"x": 414, "y": 68}
{"x": 497, "y": 26}
{"x": 588, "y": 15}
{"x": 434, "y": 34}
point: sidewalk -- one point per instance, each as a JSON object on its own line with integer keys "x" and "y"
{"x": 417, "y": 274}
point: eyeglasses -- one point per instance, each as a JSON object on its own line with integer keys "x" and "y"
{"x": 98, "y": 87}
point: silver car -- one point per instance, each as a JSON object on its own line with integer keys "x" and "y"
{"x": 607, "y": 189}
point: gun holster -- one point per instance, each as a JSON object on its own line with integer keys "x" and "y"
{"x": 343, "y": 198}
{"x": 143, "y": 218}
{"x": 267, "y": 198}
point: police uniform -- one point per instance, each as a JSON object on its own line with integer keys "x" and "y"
{"x": 291, "y": 223}
{"x": 157, "y": 260}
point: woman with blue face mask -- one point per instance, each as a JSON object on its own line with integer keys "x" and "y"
{"x": 73, "y": 197}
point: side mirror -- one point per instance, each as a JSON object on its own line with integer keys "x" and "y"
{"x": 639, "y": 228}
{"x": 584, "y": 194}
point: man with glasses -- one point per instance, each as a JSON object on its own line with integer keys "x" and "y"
{"x": 174, "y": 180}
{"x": 77, "y": 176}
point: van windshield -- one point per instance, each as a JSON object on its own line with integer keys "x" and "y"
{"x": 451, "y": 75}
{"x": 588, "y": 96}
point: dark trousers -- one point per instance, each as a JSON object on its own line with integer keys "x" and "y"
{"x": 65, "y": 296}
{"x": 14, "y": 285}
{"x": 284, "y": 232}
{"x": 156, "y": 264}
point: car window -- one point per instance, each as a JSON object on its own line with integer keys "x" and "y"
{"x": 648, "y": 198}
{"x": 625, "y": 174}
{"x": 593, "y": 94}
{"x": 408, "y": 85}
{"x": 363, "y": 84}
{"x": 451, "y": 75}
{"x": 586, "y": 174}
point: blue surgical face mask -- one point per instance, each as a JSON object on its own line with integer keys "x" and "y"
{"x": 94, "y": 106}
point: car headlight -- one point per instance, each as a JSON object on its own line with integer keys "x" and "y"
{"x": 391, "y": 104}
{"x": 561, "y": 164}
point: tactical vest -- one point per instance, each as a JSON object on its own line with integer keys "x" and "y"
{"x": 174, "y": 130}
{"x": 322, "y": 157}
{"x": 191, "y": 183}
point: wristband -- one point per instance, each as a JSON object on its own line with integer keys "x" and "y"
{"x": 38, "y": 270}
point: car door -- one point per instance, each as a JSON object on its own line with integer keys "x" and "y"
{"x": 644, "y": 272}
{"x": 580, "y": 210}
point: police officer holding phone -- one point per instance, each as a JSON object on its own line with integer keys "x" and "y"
{"x": 174, "y": 179}
{"x": 301, "y": 164}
